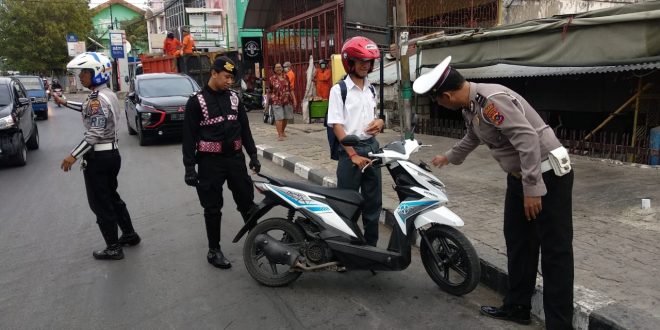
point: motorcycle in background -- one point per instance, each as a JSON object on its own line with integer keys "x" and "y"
{"x": 58, "y": 93}
{"x": 252, "y": 99}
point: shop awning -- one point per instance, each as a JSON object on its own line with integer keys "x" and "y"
{"x": 621, "y": 36}
{"x": 261, "y": 14}
{"x": 517, "y": 71}
{"x": 513, "y": 71}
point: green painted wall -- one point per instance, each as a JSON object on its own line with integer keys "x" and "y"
{"x": 241, "y": 6}
{"x": 101, "y": 20}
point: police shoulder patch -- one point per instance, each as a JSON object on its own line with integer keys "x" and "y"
{"x": 94, "y": 106}
{"x": 94, "y": 95}
{"x": 492, "y": 115}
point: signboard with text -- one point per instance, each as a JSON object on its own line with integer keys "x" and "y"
{"x": 117, "y": 45}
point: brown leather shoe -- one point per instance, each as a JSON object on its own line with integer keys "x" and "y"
{"x": 516, "y": 313}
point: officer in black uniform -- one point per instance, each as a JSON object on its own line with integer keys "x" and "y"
{"x": 538, "y": 202}
{"x": 100, "y": 154}
{"x": 216, "y": 129}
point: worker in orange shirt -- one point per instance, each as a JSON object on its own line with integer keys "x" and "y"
{"x": 289, "y": 73}
{"x": 188, "y": 43}
{"x": 171, "y": 45}
{"x": 323, "y": 80}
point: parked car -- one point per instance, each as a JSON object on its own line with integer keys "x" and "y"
{"x": 155, "y": 105}
{"x": 18, "y": 129}
{"x": 35, "y": 88}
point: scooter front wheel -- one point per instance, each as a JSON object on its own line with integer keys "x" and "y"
{"x": 450, "y": 260}
{"x": 259, "y": 267}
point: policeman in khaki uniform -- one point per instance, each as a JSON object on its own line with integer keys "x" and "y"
{"x": 99, "y": 150}
{"x": 215, "y": 131}
{"x": 538, "y": 203}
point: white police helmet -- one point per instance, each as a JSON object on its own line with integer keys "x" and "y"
{"x": 97, "y": 62}
{"x": 433, "y": 78}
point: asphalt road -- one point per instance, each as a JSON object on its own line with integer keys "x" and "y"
{"x": 48, "y": 278}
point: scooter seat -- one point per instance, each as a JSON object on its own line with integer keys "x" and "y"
{"x": 345, "y": 195}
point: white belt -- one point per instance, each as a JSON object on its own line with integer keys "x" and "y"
{"x": 545, "y": 166}
{"x": 105, "y": 146}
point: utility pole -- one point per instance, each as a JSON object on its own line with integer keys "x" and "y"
{"x": 406, "y": 88}
{"x": 112, "y": 22}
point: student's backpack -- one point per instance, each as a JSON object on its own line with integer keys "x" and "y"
{"x": 334, "y": 143}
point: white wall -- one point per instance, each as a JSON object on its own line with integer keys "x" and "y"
{"x": 516, "y": 11}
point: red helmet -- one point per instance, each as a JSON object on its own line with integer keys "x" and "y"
{"x": 358, "y": 48}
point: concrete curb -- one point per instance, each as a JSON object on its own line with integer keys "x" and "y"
{"x": 592, "y": 310}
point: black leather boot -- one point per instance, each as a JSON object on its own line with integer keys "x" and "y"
{"x": 217, "y": 259}
{"x": 515, "y": 313}
{"x": 112, "y": 252}
{"x": 130, "y": 239}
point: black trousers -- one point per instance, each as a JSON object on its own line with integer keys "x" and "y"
{"x": 552, "y": 232}
{"x": 101, "y": 184}
{"x": 367, "y": 183}
{"x": 214, "y": 170}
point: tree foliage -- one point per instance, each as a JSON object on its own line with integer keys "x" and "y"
{"x": 136, "y": 33}
{"x": 33, "y": 33}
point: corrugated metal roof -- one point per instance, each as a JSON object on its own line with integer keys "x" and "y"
{"x": 389, "y": 74}
{"x": 513, "y": 71}
{"x": 516, "y": 71}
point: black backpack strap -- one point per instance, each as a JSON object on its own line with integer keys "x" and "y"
{"x": 344, "y": 90}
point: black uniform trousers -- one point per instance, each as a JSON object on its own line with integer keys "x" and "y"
{"x": 101, "y": 184}
{"x": 552, "y": 231}
{"x": 214, "y": 170}
{"x": 368, "y": 184}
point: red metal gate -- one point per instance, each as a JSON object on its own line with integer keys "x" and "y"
{"x": 317, "y": 32}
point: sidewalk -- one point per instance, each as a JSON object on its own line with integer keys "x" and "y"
{"x": 616, "y": 243}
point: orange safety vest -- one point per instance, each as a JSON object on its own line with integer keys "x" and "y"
{"x": 170, "y": 46}
{"x": 188, "y": 44}
{"x": 292, "y": 78}
{"x": 323, "y": 83}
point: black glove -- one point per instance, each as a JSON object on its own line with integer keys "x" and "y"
{"x": 191, "y": 176}
{"x": 254, "y": 163}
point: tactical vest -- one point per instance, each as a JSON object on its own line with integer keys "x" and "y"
{"x": 216, "y": 146}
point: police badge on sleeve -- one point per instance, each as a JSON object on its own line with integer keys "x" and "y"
{"x": 233, "y": 98}
{"x": 98, "y": 122}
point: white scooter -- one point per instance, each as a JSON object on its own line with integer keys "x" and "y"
{"x": 325, "y": 234}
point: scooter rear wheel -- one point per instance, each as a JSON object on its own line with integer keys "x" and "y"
{"x": 259, "y": 267}
{"x": 459, "y": 271}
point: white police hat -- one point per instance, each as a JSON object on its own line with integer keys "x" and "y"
{"x": 434, "y": 78}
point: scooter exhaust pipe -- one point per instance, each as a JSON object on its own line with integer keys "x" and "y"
{"x": 276, "y": 251}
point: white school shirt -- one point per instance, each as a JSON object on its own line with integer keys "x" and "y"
{"x": 358, "y": 110}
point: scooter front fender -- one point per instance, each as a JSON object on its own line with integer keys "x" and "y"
{"x": 440, "y": 215}
{"x": 262, "y": 208}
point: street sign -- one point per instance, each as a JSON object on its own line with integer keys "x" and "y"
{"x": 70, "y": 37}
{"x": 76, "y": 48}
{"x": 117, "y": 45}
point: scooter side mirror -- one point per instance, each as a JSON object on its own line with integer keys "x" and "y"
{"x": 350, "y": 140}
{"x": 131, "y": 96}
